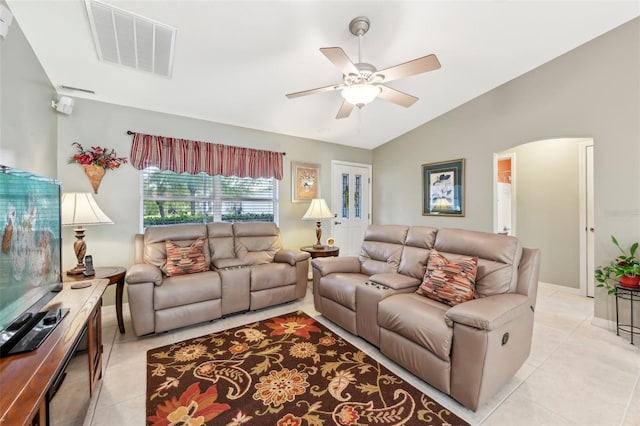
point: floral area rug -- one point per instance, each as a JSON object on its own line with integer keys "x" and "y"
{"x": 285, "y": 371}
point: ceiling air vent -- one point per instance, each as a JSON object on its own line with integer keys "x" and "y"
{"x": 131, "y": 40}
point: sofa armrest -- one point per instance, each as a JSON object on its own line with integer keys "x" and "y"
{"x": 329, "y": 265}
{"x": 144, "y": 273}
{"x": 395, "y": 281}
{"x": 489, "y": 313}
{"x": 291, "y": 256}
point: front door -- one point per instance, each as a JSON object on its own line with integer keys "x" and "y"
{"x": 351, "y": 205}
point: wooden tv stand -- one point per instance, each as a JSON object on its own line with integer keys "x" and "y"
{"x": 27, "y": 380}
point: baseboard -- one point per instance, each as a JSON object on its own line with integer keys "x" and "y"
{"x": 604, "y": 323}
{"x": 565, "y": 289}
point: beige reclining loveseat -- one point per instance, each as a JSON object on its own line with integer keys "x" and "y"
{"x": 469, "y": 350}
{"x": 243, "y": 267}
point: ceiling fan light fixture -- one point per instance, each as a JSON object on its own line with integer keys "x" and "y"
{"x": 361, "y": 81}
{"x": 360, "y": 94}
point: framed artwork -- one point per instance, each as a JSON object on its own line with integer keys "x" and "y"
{"x": 443, "y": 188}
{"x": 305, "y": 182}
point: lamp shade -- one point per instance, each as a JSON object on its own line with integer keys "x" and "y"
{"x": 80, "y": 208}
{"x": 360, "y": 94}
{"x": 318, "y": 210}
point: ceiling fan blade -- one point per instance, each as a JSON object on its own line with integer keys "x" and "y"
{"x": 417, "y": 66}
{"x": 312, "y": 91}
{"x": 396, "y": 96}
{"x": 340, "y": 59}
{"x": 345, "y": 110}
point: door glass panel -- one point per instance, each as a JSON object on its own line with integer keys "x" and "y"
{"x": 357, "y": 197}
{"x": 345, "y": 196}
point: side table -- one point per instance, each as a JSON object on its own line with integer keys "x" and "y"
{"x": 632, "y": 295}
{"x": 115, "y": 275}
{"x": 324, "y": 251}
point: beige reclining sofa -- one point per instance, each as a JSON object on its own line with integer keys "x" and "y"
{"x": 210, "y": 271}
{"x": 468, "y": 350}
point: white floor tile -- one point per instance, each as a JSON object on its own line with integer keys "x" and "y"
{"x": 521, "y": 411}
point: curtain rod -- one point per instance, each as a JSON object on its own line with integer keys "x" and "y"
{"x": 129, "y": 132}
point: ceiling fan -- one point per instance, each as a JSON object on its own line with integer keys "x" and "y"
{"x": 362, "y": 82}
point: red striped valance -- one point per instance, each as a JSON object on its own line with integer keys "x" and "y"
{"x": 181, "y": 155}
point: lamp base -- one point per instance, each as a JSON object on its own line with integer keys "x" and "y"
{"x": 318, "y": 244}
{"x": 80, "y": 249}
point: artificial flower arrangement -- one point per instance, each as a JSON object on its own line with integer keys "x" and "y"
{"x": 97, "y": 156}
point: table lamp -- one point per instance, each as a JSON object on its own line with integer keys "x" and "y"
{"x": 317, "y": 211}
{"x": 79, "y": 209}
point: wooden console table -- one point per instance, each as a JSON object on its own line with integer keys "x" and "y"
{"x": 26, "y": 379}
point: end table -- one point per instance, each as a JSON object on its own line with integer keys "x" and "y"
{"x": 324, "y": 251}
{"x": 115, "y": 275}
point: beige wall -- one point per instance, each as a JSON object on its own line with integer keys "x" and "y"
{"x": 97, "y": 123}
{"x": 590, "y": 92}
{"x": 27, "y": 122}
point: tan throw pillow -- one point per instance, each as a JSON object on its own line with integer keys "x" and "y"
{"x": 185, "y": 260}
{"x": 449, "y": 282}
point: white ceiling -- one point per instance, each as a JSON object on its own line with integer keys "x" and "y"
{"x": 236, "y": 60}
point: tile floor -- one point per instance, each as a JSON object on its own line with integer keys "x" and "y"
{"x": 577, "y": 374}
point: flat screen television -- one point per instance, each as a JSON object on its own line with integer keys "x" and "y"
{"x": 30, "y": 257}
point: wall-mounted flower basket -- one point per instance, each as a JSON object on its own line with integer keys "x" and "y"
{"x": 95, "y": 175}
{"x": 96, "y": 161}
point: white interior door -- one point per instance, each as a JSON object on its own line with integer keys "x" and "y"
{"x": 351, "y": 205}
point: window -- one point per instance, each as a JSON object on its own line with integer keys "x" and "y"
{"x": 169, "y": 198}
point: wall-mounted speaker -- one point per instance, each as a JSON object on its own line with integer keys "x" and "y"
{"x": 64, "y": 105}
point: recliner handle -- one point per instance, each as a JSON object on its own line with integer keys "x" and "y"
{"x": 505, "y": 338}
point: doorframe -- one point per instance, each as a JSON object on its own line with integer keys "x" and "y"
{"x": 582, "y": 211}
{"x": 497, "y": 156}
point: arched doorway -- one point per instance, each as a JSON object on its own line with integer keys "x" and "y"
{"x": 552, "y": 179}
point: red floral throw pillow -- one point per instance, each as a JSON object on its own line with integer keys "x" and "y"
{"x": 449, "y": 282}
{"x": 185, "y": 260}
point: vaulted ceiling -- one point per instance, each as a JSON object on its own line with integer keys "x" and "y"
{"x": 236, "y": 60}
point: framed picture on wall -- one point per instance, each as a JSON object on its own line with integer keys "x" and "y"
{"x": 305, "y": 182}
{"x": 443, "y": 188}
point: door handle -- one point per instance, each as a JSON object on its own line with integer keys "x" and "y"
{"x": 337, "y": 223}
{"x": 591, "y": 229}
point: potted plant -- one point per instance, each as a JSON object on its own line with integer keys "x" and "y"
{"x": 624, "y": 269}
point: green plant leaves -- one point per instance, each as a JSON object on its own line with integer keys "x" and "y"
{"x": 624, "y": 264}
